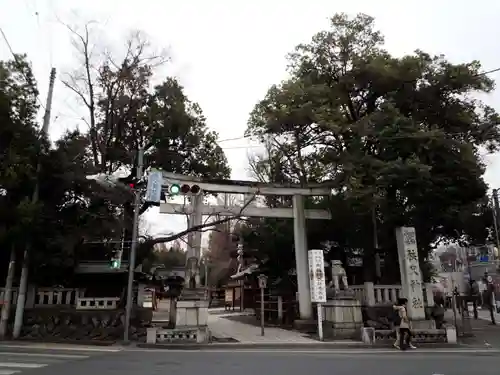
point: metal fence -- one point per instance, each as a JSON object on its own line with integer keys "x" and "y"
{"x": 277, "y": 311}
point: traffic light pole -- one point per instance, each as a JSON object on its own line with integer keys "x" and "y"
{"x": 133, "y": 247}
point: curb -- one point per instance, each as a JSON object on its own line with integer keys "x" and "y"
{"x": 62, "y": 341}
{"x": 320, "y": 345}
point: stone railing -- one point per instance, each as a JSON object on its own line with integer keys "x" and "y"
{"x": 373, "y": 295}
{"x": 13, "y": 296}
{"x": 94, "y": 303}
{"x": 46, "y": 297}
{"x": 53, "y": 296}
{"x": 386, "y": 294}
{"x": 359, "y": 292}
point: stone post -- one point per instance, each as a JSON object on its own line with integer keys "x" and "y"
{"x": 411, "y": 277}
{"x": 280, "y": 309}
{"x": 30, "y": 296}
{"x": 369, "y": 294}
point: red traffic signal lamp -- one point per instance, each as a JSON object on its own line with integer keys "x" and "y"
{"x": 190, "y": 189}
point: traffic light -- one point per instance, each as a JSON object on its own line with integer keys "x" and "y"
{"x": 131, "y": 182}
{"x": 116, "y": 260}
{"x": 184, "y": 189}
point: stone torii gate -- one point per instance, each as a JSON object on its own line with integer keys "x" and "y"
{"x": 197, "y": 209}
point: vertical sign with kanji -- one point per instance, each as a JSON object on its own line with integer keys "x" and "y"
{"x": 153, "y": 189}
{"x": 411, "y": 276}
{"x": 317, "y": 276}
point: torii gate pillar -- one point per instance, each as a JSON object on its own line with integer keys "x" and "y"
{"x": 301, "y": 260}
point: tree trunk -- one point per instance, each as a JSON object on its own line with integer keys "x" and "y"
{"x": 21, "y": 298}
{"x": 7, "y": 296}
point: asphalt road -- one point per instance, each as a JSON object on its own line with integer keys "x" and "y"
{"x": 258, "y": 362}
{"x": 18, "y": 359}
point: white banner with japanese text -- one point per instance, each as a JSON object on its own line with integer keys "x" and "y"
{"x": 317, "y": 278}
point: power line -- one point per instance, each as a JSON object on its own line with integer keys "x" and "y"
{"x": 16, "y": 59}
{"x": 236, "y": 138}
{"x": 487, "y": 72}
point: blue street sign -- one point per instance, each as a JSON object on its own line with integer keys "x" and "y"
{"x": 484, "y": 259}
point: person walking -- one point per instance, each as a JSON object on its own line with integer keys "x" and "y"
{"x": 404, "y": 326}
{"x": 396, "y": 321}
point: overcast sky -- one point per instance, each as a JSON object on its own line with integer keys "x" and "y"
{"x": 227, "y": 53}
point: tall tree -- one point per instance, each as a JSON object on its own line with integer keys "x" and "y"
{"x": 398, "y": 138}
{"x": 19, "y": 148}
{"x": 124, "y": 115}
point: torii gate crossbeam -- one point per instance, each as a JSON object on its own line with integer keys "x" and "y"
{"x": 198, "y": 209}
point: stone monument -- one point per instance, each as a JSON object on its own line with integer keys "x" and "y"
{"x": 411, "y": 276}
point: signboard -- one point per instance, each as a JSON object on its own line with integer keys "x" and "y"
{"x": 484, "y": 259}
{"x": 317, "y": 276}
{"x": 411, "y": 276}
{"x": 153, "y": 189}
{"x": 262, "y": 281}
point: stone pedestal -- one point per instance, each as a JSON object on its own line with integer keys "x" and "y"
{"x": 182, "y": 335}
{"x": 192, "y": 314}
{"x": 342, "y": 318}
{"x": 191, "y": 319}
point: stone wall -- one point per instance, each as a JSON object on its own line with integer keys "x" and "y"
{"x": 72, "y": 325}
{"x": 379, "y": 317}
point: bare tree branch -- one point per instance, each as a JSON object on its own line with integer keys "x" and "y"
{"x": 113, "y": 91}
{"x": 198, "y": 228}
{"x": 87, "y": 92}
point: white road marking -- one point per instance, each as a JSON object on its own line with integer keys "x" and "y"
{"x": 69, "y": 348}
{"x": 62, "y": 356}
{"x": 22, "y": 365}
{"x": 8, "y": 372}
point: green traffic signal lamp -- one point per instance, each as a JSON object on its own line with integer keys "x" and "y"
{"x": 115, "y": 264}
{"x": 174, "y": 189}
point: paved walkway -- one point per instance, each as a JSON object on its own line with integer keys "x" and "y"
{"x": 485, "y": 334}
{"x": 161, "y": 315}
{"x": 485, "y": 315}
{"x": 221, "y": 327}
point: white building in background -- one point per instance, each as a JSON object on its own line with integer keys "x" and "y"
{"x": 456, "y": 265}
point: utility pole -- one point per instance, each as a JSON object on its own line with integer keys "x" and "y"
{"x": 496, "y": 211}
{"x": 378, "y": 272}
{"x": 133, "y": 247}
{"x": 206, "y": 272}
{"x": 23, "y": 285}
